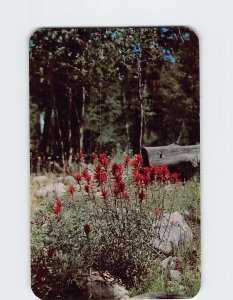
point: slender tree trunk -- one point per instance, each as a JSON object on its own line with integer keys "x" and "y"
{"x": 181, "y": 133}
{"x": 126, "y": 120}
{"x": 57, "y": 121}
{"x": 81, "y": 130}
{"x": 140, "y": 99}
{"x": 47, "y": 125}
{"x": 69, "y": 149}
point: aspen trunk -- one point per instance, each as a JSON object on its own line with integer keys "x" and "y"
{"x": 69, "y": 148}
{"x": 81, "y": 130}
{"x": 47, "y": 125}
{"x": 126, "y": 121}
{"x": 140, "y": 99}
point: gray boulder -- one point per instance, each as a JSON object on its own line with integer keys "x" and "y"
{"x": 40, "y": 180}
{"x": 175, "y": 275}
{"x": 53, "y": 189}
{"x": 171, "y": 232}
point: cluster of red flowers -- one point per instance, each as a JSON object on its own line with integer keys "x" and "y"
{"x": 119, "y": 184}
{"x": 84, "y": 175}
{"x": 163, "y": 174}
{"x": 57, "y": 206}
{"x": 104, "y": 159}
{"x": 142, "y": 176}
{"x": 137, "y": 162}
{"x": 100, "y": 174}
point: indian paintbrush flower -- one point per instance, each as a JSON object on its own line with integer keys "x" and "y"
{"x": 87, "y": 229}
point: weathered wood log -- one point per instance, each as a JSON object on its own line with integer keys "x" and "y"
{"x": 182, "y": 159}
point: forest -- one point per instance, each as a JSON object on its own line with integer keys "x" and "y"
{"x": 112, "y": 89}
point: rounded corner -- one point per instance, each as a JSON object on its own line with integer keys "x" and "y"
{"x": 197, "y": 293}
{"x": 34, "y": 293}
{"x": 33, "y": 32}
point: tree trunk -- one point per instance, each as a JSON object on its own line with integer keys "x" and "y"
{"x": 57, "y": 121}
{"x": 126, "y": 120}
{"x": 81, "y": 131}
{"x": 47, "y": 125}
{"x": 140, "y": 99}
{"x": 69, "y": 149}
{"x": 181, "y": 133}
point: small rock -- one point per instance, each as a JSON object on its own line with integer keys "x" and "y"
{"x": 41, "y": 180}
{"x": 175, "y": 275}
{"x": 169, "y": 262}
{"x": 70, "y": 180}
{"x": 57, "y": 188}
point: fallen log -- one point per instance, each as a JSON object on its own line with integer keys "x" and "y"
{"x": 182, "y": 159}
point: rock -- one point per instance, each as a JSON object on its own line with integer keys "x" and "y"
{"x": 57, "y": 189}
{"x": 59, "y": 179}
{"x": 171, "y": 231}
{"x": 175, "y": 275}
{"x": 70, "y": 180}
{"x": 41, "y": 180}
{"x": 169, "y": 262}
{"x": 104, "y": 287}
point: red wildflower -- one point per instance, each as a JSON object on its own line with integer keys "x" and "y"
{"x": 57, "y": 209}
{"x": 139, "y": 179}
{"x": 121, "y": 186}
{"x": 126, "y": 160}
{"x": 100, "y": 176}
{"x": 87, "y": 229}
{"x": 174, "y": 177}
{"x": 104, "y": 159}
{"x": 116, "y": 191}
{"x": 57, "y": 206}
{"x": 87, "y": 188}
{"x": 94, "y": 156}
{"x": 157, "y": 212}
{"x": 126, "y": 194}
{"x": 88, "y": 178}
{"x": 141, "y": 195}
{"x": 118, "y": 177}
{"x": 85, "y": 173}
{"x": 81, "y": 155}
{"x": 98, "y": 168}
{"x": 78, "y": 177}
{"x": 146, "y": 179}
{"x": 137, "y": 161}
{"x": 50, "y": 252}
{"x": 117, "y": 169}
{"x": 71, "y": 189}
{"x": 104, "y": 193}
{"x": 58, "y": 202}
